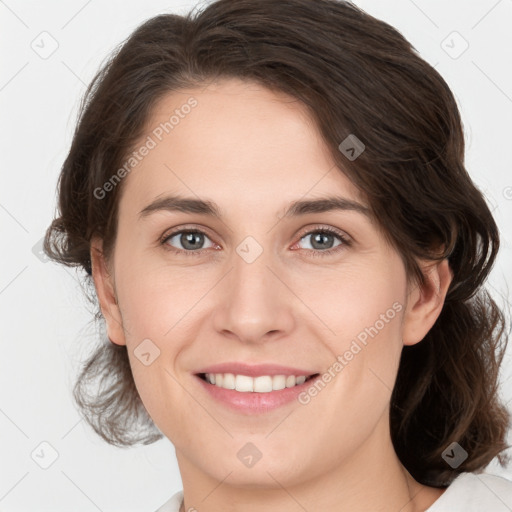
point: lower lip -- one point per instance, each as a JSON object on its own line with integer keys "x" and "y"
{"x": 253, "y": 402}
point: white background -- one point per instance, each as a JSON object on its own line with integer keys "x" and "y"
{"x": 45, "y": 321}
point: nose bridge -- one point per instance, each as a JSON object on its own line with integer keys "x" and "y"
{"x": 250, "y": 279}
{"x": 253, "y": 303}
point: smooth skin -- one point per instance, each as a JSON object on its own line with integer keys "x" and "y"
{"x": 252, "y": 152}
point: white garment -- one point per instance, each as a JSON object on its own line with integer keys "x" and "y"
{"x": 469, "y": 492}
{"x": 475, "y": 492}
{"x": 174, "y": 504}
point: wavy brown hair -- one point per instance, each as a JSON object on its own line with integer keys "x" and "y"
{"x": 356, "y": 75}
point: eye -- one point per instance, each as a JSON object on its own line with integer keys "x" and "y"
{"x": 322, "y": 240}
{"x": 191, "y": 241}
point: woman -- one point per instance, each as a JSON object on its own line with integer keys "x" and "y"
{"x": 214, "y": 157}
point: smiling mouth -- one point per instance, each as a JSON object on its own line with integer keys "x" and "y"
{"x": 260, "y": 384}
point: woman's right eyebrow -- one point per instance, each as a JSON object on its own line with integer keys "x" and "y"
{"x": 182, "y": 204}
{"x": 210, "y": 208}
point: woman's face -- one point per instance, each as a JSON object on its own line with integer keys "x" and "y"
{"x": 255, "y": 287}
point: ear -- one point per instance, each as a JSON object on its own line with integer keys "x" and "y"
{"x": 105, "y": 290}
{"x": 425, "y": 302}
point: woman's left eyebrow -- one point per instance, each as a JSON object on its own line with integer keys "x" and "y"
{"x": 210, "y": 208}
{"x": 326, "y": 204}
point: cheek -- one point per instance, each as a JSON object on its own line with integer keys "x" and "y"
{"x": 153, "y": 299}
{"x": 364, "y": 296}
{"x": 363, "y": 310}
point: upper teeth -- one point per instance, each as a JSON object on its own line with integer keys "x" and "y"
{"x": 263, "y": 384}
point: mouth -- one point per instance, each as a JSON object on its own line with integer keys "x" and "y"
{"x": 261, "y": 394}
{"x": 257, "y": 384}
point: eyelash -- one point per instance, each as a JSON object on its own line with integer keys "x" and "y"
{"x": 345, "y": 242}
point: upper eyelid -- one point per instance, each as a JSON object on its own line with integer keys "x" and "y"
{"x": 320, "y": 227}
{"x": 173, "y": 232}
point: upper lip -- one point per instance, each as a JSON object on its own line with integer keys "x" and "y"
{"x": 254, "y": 370}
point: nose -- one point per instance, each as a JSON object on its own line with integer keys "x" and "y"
{"x": 254, "y": 303}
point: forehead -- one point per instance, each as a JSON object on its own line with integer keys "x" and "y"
{"x": 234, "y": 140}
